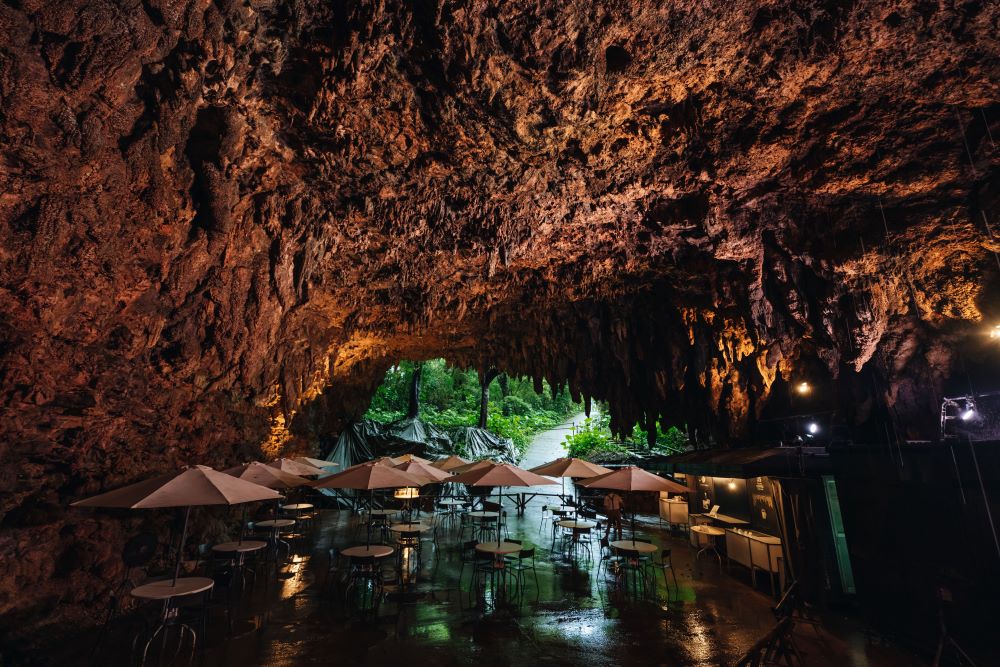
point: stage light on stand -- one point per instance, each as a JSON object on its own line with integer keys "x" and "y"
{"x": 968, "y": 412}
{"x": 812, "y": 428}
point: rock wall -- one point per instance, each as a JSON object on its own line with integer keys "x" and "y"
{"x": 221, "y": 221}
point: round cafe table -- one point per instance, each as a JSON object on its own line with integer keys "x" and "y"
{"x": 498, "y": 573}
{"x": 365, "y": 574}
{"x": 579, "y": 528}
{"x": 167, "y": 591}
{"x": 276, "y": 525}
{"x": 634, "y": 551}
{"x": 485, "y": 519}
{"x": 239, "y": 551}
{"x": 412, "y": 528}
{"x": 371, "y": 551}
{"x": 297, "y": 507}
{"x": 711, "y": 533}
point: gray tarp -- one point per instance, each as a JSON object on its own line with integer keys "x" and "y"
{"x": 415, "y": 436}
{"x": 478, "y": 443}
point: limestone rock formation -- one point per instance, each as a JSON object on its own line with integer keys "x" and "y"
{"x": 220, "y": 222}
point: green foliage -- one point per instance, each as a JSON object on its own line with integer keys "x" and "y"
{"x": 449, "y": 397}
{"x": 593, "y": 437}
{"x": 672, "y": 441}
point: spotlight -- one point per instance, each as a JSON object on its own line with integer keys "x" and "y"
{"x": 731, "y": 485}
{"x": 969, "y": 412}
{"x": 813, "y": 428}
{"x": 803, "y": 388}
{"x": 995, "y": 332}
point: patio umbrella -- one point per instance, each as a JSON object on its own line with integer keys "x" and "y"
{"x": 198, "y": 485}
{"x": 501, "y": 475}
{"x": 296, "y": 468}
{"x": 449, "y": 463}
{"x": 315, "y": 463}
{"x": 425, "y": 471}
{"x": 570, "y": 467}
{"x": 368, "y": 477}
{"x": 632, "y": 479}
{"x": 475, "y": 465}
{"x": 406, "y": 458}
{"x": 265, "y": 475}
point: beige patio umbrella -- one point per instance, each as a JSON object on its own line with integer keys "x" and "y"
{"x": 406, "y": 458}
{"x": 315, "y": 463}
{"x": 450, "y": 463}
{"x": 475, "y": 465}
{"x": 632, "y": 479}
{"x": 368, "y": 477}
{"x": 569, "y": 467}
{"x": 296, "y": 468}
{"x": 265, "y": 475}
{"x": 500, "y": 475}
{"x": 198, "y": 485}
{"x": 424, "y": 470}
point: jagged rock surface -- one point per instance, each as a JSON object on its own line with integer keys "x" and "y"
{"x": 220, "y": 223}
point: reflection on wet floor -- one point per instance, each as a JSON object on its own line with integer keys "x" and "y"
{"x": 298, "y": 615}
{"x": 296, "y": 618}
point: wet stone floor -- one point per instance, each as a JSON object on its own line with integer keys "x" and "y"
{"x": 300, "y": 614}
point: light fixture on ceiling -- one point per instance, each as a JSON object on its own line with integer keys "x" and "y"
{"x": 406, "y": 493}
{"x": 812, "y": 428}
{"x": 968, "y": 412}
{"x": 995, "y": 332}
{"x": 803, "y": 388}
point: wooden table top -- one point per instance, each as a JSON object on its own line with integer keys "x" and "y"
{"x": 373, "y": 551}
{"x": 708, "y": 530}
{"x": 297, "y": 506}
{"x": 634, "y": 545}
{"x": 503, "y": 548}
{"x": 240, "y": 547}
{"x": 276, "y": 523}
{"x": 576, "y": 525}
{"x": 383, "y": 512}
{"x": 483, "y": 514}
{"x": 166, "y": 589}
{"x": 409, "y": 527}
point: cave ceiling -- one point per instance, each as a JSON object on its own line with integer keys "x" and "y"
{"x": 222, "y": 221}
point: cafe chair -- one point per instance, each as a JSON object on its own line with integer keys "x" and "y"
{"x": 546, "y": 516}
{"x": 664, "y": 565}
{"x": 524, "y": 561}
{"x": 608, "y": 559}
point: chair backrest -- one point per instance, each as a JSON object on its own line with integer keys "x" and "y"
{"x": 605, "y": 543}
{"x": 469, "y": 546}
{"x": 514, "y": 541}
{"x": 526, "y": 553}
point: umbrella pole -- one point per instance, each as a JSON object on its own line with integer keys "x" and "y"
{"x": 632, "y": 500}
{"x": 180, "y": 546}
{"x": 243, "y": 522}
{"x": 371, "y": 506}
{"x": 500, "y": 517}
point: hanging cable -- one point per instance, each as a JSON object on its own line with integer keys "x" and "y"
{"x": 986, "y": 499}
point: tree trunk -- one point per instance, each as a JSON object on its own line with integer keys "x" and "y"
{"x": 414, "y": 408}
{"x": 484, "y": 395}
{"x": 504, "y": 383}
